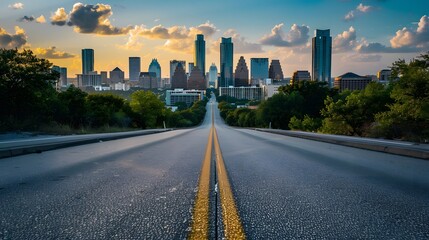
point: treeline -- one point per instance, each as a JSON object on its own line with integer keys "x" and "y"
{"x": 30, "y": 102}
{"x": 397, "y": 111}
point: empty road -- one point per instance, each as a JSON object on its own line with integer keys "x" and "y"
{"x": 254, "y": 184}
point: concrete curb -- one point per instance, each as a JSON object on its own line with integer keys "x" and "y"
{"x": 379, "y": 147}
{"x": 75, "y": 140}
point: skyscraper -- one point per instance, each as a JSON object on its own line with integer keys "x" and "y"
{"x": 196, "y": 80}
{"x": 173, "y": 65}
{"x": 213, "y": 75}
{"x": 87, "y": 60}
{"x": 117, "y": 75}
{"x": 226, "y": 60}
{"x": 322, "y": 53}
{"x": 241, "y": 73}
{"x": 258, "y": 69}
{"x": 191, "y": 66}
{"x": 179, "y": 79}
{"x": 200, "y": 54}
{"x": 155, "y": 67}
{"x": 134, "y": 65}
{"x": 275, "y": 72}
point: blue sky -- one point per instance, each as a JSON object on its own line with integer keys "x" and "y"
{"x": 372, "y": 32}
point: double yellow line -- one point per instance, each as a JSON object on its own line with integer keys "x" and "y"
{"x": 233, "y": 229}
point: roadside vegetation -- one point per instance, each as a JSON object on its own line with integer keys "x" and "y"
{"x": 399, "y": 110}
{"x": 29, "y": 102}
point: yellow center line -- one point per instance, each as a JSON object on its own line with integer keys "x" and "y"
{"x": 233, "y": 229}
{"x": 200, "y": 217}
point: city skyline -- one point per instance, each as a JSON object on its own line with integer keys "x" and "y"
{"x": 366, "y": 35}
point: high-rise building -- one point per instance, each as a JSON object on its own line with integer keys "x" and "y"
{"x": 173, "y": 65}
{"x": 156, "y": 68}
{"x": 62, "y": 81}
{"x": 322, "y": 54}
{"x": 226, "y": 61}
{"x": 191, "y": 66}
{"x": 300, "y": 75}
{"x": 213, "y": 75}
{"x": 90, "y": 79}
{"x": 104, "y": 78}
{"x": 241, "y": 73}
{"x": 200, "y": 54}
{"x": 87, "y": 60}
{"x": 275, "y": 72}
{"x": 384, "y": 75}
{"x": 179, "y": 79}
{"x": 148, "y": 80}
{"x": 117, "y": 75}
{"x": 196, "y": 80}
{"x": 351, "y": 81}
{"x": 258, "y": 69}
{"x": 134, "y": 65}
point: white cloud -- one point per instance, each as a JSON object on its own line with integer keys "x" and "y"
{"x": 241, "y": 45}
{"x": 9, "y": 40}
{"x": 16, "y": 6}
{"x": 297, "y": 35}
{"x": 360, "y": 9}
{"x": 345, "y": 41}
{"x": 363, "y": 8}
{"x": 59, "y": 17}
{"x": 41, "y": 19}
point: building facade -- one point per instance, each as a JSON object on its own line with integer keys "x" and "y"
{"x": 249, "y": 93}
{"x": 62, "y": 80}
{"x": 321, "y": 56}
{"x": 173, "y": 66}
{"x": 213, "y": 75}
{"x": 134, "y": 67}
{"x": 116, "y": 75}
{"x": 226, "y": 61}
{"x": 148, "y": 80}
{"x": 155, "y": 67}
{"x": 300, "y": 75}
{"x": 351, "y": 81}
{"x": 179, "y": 79}
{"x": 180, "y": 95}
{"x": 275, "y": 72}
{"x": 384, "y": 75}
{"x": 258, "y": 69}
{"x": 196, "y": 80}
{"x": 87, "y": 60}
{"x": 241, "y": 73}
{"x": 200, "y": 54}
{"x": 90, "y": 79}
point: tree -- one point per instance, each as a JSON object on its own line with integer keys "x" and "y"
{"x": 26, "y": 89}
{"x": 104, "y": 109}
{"x": 148, "y": 108}
{"x": 72, "y": 110}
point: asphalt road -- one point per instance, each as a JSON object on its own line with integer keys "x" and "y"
{"x": 145, "y": 187}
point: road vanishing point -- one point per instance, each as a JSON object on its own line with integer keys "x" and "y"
{"x": 213, "y": 182}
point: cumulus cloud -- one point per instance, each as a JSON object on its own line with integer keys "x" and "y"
{"x": 133, "y": 42}
{"x": 362, "y": 58}
{"x": 52, "y": 53}
{"x": 16, "y": 6}
{"x": 59, "y": 18}
{"x": 345, "y": 41}
{"x": 88, "y": 18}
{"x": 297, "y": 35}
{"x": 405, "y": 40}
{"x": 9, "y": 40}
{"x": 40, "y": 19}
{"x": 360, "y": 9}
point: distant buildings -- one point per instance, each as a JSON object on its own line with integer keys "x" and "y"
{"x": 200, "y": 54}
{"x": 275, "y": 72}
{"x": 241, "y": 73}
{"x": 173, "y": 66}
{"x": 90, "y": 79}
{"x": 179, "y": 78}
{"x": 249, "y": 93}
{"x": 62, "y": 81}
{"x": 87, "y": 60}
{"x": 116, "y": 76}
{"x": 180, "y": 95}
{"x": 226, "y": 61}
{"x": 321, "y": 56}
{"x": 384, "y": 75}
{"x": 134, "y": 65}
{"x": 300, "y": 75}
{"x": 258, "y": 69}
{"x": 148, "y": 80}
{"x": 197, "y": 80}
{"x": 213, "y": 75}
{"x": 155, "y": 68}
{"x": 191, "y": 66}
{"x": 351, "y": 81}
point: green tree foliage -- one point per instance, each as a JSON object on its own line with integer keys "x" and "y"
{"x": 72, "y": 107}
{"x": 104, "y": 110}
{"x": 148, "y": 107}
{"x": 26, "y": 89}
{"x": 408, "y": 116}
{"x": 306, "y": 124}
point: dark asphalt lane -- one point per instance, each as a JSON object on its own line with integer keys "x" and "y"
{"x": 291, "y": 188}
{"x": 134, "y": 188}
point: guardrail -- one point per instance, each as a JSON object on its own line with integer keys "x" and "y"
{"x": 27, "y": 146}
{"x": 394, "y": 147}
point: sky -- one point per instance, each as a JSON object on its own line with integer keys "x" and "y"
{"x": 367, "y": 35}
